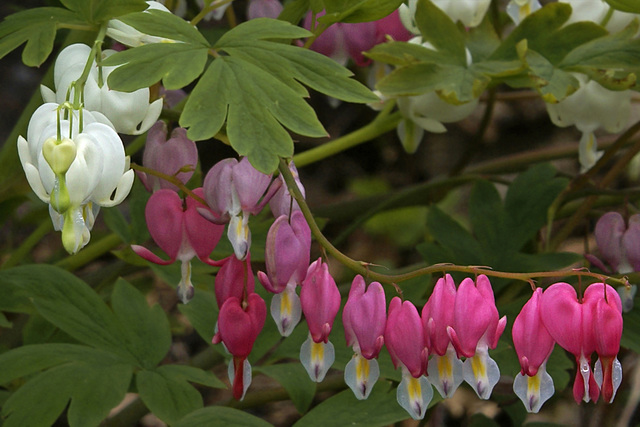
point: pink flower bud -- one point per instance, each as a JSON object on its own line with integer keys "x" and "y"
{"x": 364, "y": 318}
{"x": 404, "y": 337}
{"x": 282, "y": 203}
{"x": 320, "y": 300}
{"x": 286, "y": 252}
{"x": 531, "y": 339}
{"x": 167, "y": 156}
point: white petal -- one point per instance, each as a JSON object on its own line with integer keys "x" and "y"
{"x": 445, "y": 372}
{"x": 481, "y": 373}
{"x": 317, "y": 358}
{"x": 534, "y": 391}
{"x": 246, "y": 375}
{"x": 414, "y": 394}
{"x": 239, "y": 235}
{"x": 84, "y": 174}
{"x": 361, "y": 375}
{"x": 286, "y": 310}
{"x": 616, "y": 375}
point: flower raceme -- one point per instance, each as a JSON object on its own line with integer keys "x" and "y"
{"x": 74, "y": 161}
{"x": 130, "y": 113}
{"x": 618, "y": 242}
{"x": 179, "y": 229}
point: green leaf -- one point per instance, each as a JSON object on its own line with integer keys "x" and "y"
{"x": 145, "y": 329}
{"x": 116, "y": 222}
{"x": 552, "y": 83}
{"x": 381, "y": 408}
{"x": 561, "y": 368}
{"x": 294, "y": 11}
{"x": 98, "y": 11}
{"x": 260, "y": 29}
{"x": 93, "y": 389}
{"x": 438, "y": 29}
{"x": 361, "y": 10}
{"x": 191, "y": 374}
{"x": 403, "y": 53}
{"x": 453, "y": 236}
{"x": 71, "y": 305}
{"x": 168, "y": 398}
{"x": 29, "y": 359}
{"x": 176, "y": 64}
{"x": 538, "y": 29}
{"x": 631, "y": 333}
{"x": 166, "y": 25}
{"x": 294, "y": 378}
{"x": 202, "y": 312}
{"x": 37, "y": 27}
{"x": 631, "y": 6}
{"x": 220, "y": 415}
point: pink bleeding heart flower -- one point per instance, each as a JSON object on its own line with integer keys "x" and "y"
{"x": 234, "y": 279}
{"x": 264, "y": 9}
{"x": 619, "y": 244}
{"x": 572, "y": 327}
{"x": 234, "y": 190}
{"x": 320, "y": 301}
{"x": 606, "y": 308}
{"x": 476, "y": 328}
{"x": 445, "y": 369}
{"x": 342, "y": 41}
{"x": 168, "y": 156}
{"x": 181, "y": 232}
{"x": 404, "y": 337}
{"x": 533, "y": 344}
{"x": 287, "y": 258}
{"x": 239, "y": 323}
{"x": 364, "y": 318}
{"x": 391, "y": 26}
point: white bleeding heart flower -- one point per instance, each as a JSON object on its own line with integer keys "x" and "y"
{"x": 129, "y": 36}
{"x": 469, "y": 12}
{"x": 76, "y": 170}
{"x": 600, "y": 12}
{"x": 130, "y": 113}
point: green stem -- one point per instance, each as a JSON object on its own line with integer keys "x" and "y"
{"x": 90, "y": 253}
{"x": 363, "y": 268}
{"x": 172, "y": 179}
{"x": 608, "y": 179}
{"x": 78, "y": 95}
{"x": 28, "y": 244}
{"x": 380, "y": 125}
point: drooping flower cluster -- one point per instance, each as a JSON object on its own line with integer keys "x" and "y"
{"x": 581, "y": 327}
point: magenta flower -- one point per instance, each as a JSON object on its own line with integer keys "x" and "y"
{"x": 391, "y": 26}
{"x": 239, "y": 323}
{"x": 364, "y": 318}
{"x": 342, "y": 41}
{"x": 476, "y": 328}
{"x": 234, "y": 190}
{"x": 181, "y": 232}
{"x": 572, "y": 326}
{"x": 320, "y": 300}
{"x": 533, "y": 343}
{"x": 619, "y": 244}
{"x": 287, "y": 259}
{"x": 264, "y": 9}
{"x": 606, "y": 307}
{"x": 168, "y": 156}
{"x": 404, "y": 336}
{"x": 445, "y": 369}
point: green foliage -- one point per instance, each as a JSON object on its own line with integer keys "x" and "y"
{"x": 98, "y": 11}
{"x": 357, "y": 10}
{"x": 36, "y": 27}
{"x": 218, "y": 415}
{"x": 500, "y": 229}
{"x": 294, "y": 378}
{"x": 257, "y": 100}
{"x": 630, "y": 6}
